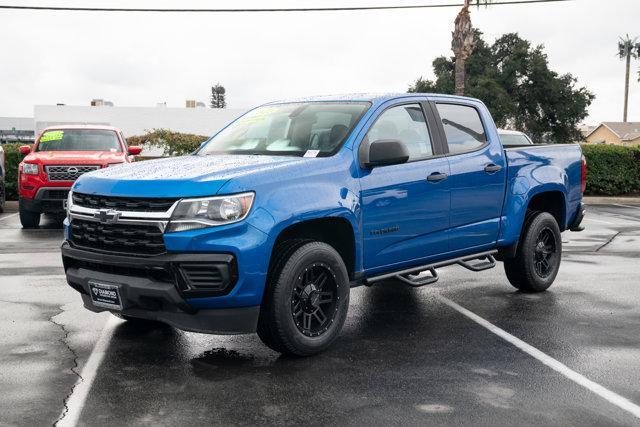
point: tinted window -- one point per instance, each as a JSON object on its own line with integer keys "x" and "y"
{"x": 462, "y": 126}
{"x": 312, "y": 129}
{"x": 79, "y": 140}
{"x": 514, "y": 139}
{"x": 407, "y": 124}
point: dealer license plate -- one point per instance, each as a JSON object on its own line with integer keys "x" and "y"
{"x": 105, "y": 295}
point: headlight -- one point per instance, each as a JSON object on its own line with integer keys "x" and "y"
{"x": 110, "y": 165}
{"x": 192, "y": 214}
{"x": 29, "y": 169}
{"x": 69, "y": 203}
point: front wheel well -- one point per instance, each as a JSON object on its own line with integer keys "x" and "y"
{"x": 334, "y": 231}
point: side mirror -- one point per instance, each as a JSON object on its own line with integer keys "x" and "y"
{"x": 25, "y": 149}
{"x": 383, "y": 152}
{"x": 134, "y": 150}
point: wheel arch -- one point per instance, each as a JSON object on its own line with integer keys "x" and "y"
{"x": 553, "y": 202}
{"x": 336, "y": 231}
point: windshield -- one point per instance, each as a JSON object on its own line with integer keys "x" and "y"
{"x": 79, "y": 140}
{"x": 509, "y": 139}
{"x": 301, "y": 129}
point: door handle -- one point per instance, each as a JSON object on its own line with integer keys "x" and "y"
{"x": 492, "y": 168}
{"x": 437, "y": 177}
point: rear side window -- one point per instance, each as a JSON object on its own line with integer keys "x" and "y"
{"x": 407, "y": 124}
{"x": 462, "y": 126}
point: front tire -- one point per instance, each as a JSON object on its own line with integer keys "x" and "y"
{"x": 29, "y": 219}
{"x": 537, "y": 260}
{"x": 307, "y": 300}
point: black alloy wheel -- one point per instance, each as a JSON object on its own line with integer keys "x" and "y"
{"x": 314, "y": 300}
{"x": 545, "y": 253}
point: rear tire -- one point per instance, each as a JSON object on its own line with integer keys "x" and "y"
{"x": 29, "y": 219}
{"x": 537, "y": 259}
{"x": 306, "y": 299}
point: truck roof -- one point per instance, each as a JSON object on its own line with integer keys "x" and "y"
{"x": 375, "y": 98}
{"x": 85, "y": 126}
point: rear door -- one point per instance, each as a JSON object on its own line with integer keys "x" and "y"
{"x": 405, "y": 215}
{"x": 477, "y": 174}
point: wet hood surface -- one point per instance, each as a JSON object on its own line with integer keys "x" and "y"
{"x": 178, "y": 177}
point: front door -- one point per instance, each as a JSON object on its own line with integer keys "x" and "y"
{"x": 405, "y": 214}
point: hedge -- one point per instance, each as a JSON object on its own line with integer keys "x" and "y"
{"x": 12, "y": 158}
{"x": 613, "y": 170}
{"x": 173, "y": 143}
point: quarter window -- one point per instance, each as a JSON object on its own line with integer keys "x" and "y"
{"x": 462, "y": 126}
{"x": 407, "y": 124}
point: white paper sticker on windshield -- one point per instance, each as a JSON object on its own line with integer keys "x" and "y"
{"x": 311, "y": 153}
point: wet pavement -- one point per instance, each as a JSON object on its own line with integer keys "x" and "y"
{"x": 404, "y": 356}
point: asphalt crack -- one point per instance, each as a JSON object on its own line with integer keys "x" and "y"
{"x": 608, "y": 241}
{"x": 75, "y": 368}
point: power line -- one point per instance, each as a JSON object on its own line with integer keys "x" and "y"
{"x": 262, "y": 10}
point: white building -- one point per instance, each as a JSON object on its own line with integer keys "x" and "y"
{"x": 137, "y": 120}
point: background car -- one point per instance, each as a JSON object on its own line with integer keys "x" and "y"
{"x": 60, "y": 155}
{"x": 513, "y": 138}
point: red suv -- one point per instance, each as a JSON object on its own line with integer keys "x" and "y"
{"x": 59, "y": 156}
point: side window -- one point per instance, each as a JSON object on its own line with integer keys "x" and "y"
{"x": 407, "y": 124}
{"x": 462, "y": 126}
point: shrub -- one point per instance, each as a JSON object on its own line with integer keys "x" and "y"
{"x": 12, "y": 158}
{"x": 613, "y": 170}
{"x": 173, "y": 143}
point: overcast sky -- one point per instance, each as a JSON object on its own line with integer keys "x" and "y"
{"x": 136, "y": 59}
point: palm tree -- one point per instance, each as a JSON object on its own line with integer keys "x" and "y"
{"x": 627, "y": 48}
{"x": 463, "y": 42}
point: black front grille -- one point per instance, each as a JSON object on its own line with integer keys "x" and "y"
{"x": 123, "y": 203}
{"x": 120, "y": 238}
{"x": 55, "y": 194}
{"x": 68, "y": 172}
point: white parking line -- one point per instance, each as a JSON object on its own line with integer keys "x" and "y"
{"x": 599, "y": 221}
{"x": 610, "y": 396}
{"x": 78, "y": 397}
{"x": 8, "y": 216}
{"x": 626, "y": 206}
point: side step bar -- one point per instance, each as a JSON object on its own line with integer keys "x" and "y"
{"x": 413, "y": 276}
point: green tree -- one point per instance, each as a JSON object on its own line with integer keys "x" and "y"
{"x": 628, "y": 48}
{"x": 218, "y": 94}
{"x": 514, "y": 81}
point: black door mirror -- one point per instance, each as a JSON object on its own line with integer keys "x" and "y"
{"x": 384, "y": 152}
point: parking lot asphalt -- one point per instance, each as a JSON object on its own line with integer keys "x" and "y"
{"x": 405, "y": 356}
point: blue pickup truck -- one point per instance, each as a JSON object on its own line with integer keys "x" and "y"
{"x": 267, "y": 226}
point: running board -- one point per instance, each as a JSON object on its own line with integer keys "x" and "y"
{"x": 413, "y": 276}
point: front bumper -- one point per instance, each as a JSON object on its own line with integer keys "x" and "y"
{"x": 154, "y": 288}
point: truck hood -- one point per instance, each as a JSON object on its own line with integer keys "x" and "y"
{"x": 74, "y": 157}
{"x": 188, "y": 176}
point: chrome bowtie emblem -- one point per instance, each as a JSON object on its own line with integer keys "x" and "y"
{"x": 72, "y": 170}
{"x": 107, "y": 216}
